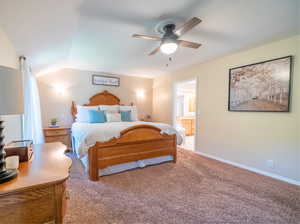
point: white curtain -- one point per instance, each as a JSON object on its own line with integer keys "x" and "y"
{"x": 32, "y": 123}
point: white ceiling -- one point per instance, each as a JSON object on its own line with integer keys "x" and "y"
{"x": 96, "y": 35}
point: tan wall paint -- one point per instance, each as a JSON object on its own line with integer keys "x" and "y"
{"x": 8, "y": 57}
{"x": 242, "y": 137}
{"x": 79, "y": 88}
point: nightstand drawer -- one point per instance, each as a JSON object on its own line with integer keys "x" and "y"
{"x": 56, "y": 132}
{"x": 56, "y": 139}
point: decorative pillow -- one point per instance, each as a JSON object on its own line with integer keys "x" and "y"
{"x": 96, "y": 116}
{"x": 83, "y": 113}
{"x": 110, "y": 108}
{"x": 113, "y": 117}
{"x": 133, "y": 110}
{"x": 125, "y": 115}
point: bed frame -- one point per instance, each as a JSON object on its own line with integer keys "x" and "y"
{"x": 135, "y": 143}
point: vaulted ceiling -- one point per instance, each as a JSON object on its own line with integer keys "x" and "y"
{"x": 96, "y": 35}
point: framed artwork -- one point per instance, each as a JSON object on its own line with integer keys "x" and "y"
{"x": 105, "y": 80}
{"x": 261, "y": 87}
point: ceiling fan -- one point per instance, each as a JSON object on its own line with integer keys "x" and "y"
{"x": 170, "y": 40}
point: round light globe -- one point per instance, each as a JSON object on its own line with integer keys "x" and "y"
{"x": 168, "y": 48}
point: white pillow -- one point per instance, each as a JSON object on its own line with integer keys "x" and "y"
{"x": 110, "y": 108}
{"x": 113, "y": 117}
{"x": 133, "y": 109}
{"x": 83, "y": 113}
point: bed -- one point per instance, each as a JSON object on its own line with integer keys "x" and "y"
{"x": 107, "y": 148}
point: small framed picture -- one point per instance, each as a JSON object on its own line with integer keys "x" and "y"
{"x": 261, "y": 87}
{"x": 105, "y": 80}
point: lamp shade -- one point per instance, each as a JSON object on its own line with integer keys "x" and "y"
{"x": 11, "y": 91}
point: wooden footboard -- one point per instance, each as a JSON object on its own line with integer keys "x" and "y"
{"x": 135, "y": 143}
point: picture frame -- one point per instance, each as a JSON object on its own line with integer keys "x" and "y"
{"x": 261, "y": 87}
{"x": 105, "y": 80}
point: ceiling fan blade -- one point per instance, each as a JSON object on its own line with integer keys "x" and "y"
{"x": 154, "y": 51}
{"x": 187, "y": 26}
{"x": 147, "y": 37}
{"x": 189, "y": 44}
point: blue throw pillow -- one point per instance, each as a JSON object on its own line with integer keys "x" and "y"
{"x": 126, "y": 115}
{"x": 97, "y": 116}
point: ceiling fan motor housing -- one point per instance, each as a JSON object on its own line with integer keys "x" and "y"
{"x": 169, "y": 32}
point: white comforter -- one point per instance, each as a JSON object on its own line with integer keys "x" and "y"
{"x": 86, "y": 135}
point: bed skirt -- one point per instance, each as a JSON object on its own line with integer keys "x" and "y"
{"x": 127, "y": 166}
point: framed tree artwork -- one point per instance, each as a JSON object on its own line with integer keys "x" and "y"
{"x": 261, "y": 87}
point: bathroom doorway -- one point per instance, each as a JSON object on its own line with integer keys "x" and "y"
{"x": 185, "y": 112}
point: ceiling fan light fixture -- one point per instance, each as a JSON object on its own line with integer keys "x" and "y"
{"x": 168, "y": 47}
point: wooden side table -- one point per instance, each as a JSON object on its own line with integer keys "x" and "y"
{"x": 39, "y": 193}
{"x": 60, "y": 134}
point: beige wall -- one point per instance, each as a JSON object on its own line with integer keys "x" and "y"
{"x": 78, "y": 87}
{"x": 8, "y": 57}
{"x": 242, "y": 137}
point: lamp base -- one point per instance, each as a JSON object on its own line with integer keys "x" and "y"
{"x": 8, "y": 175}
{"x": 5, "y": 174}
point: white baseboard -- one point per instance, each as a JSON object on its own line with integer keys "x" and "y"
{"x": 272, "y": 175}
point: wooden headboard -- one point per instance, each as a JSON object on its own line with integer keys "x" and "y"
{"x": 103, "y": 98}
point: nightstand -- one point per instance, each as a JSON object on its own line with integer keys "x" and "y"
{"x": 60, "y": 134}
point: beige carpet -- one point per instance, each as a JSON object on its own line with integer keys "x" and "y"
{"x": 195, "y": 190}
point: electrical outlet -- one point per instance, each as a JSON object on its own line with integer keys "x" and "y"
{"x": 270, "y": 163}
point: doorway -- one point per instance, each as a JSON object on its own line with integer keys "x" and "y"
{"x": 185, "y": 112}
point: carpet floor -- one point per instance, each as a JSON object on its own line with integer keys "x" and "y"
{"x": 194, "y": 190}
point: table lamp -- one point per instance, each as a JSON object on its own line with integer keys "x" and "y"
{"x": 11, "y": 103}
